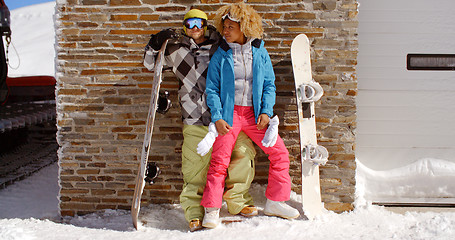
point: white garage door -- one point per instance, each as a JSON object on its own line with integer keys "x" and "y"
{"x": 406, "y": 118}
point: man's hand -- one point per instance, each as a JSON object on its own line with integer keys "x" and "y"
{"x": 263, "y": 121}
{"x": 222, "y": 127}
{"x": 158, "y": 39}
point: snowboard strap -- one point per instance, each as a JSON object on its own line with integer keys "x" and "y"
{"x": 316, "y": 154}
{"x": 152, "y": 172}
{"x": 310, "y": 92}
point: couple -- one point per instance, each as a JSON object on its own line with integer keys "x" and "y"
{"x": 238, "y": 87}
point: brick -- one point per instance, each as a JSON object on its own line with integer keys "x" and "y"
{"x": 94, "y": 2}
{"x": 74, "y": 17}
{"x": 95, "y": 71}
{"x": 300, "y": 15}
{"x": 130, "y": 32}
{"x": 71, "y": 92}
{"x": 124, "y": 3}
{"x": 89, "y": 185}
{"x": 77, "y": 206}
{"x": 117, "y": 171}
{"x": 71, "y": 179}
{"x": 210, "y": 1}
{"x": 87, "y": 24}
{"x": 123, "y": 17}
{"x": 98, "y": 18}
{"x": 149, "y": 17}
{"x": 117, "y": 100}
{"x": 114, "y": 200}
{"x": 155, "y": 2}
{"x": 82, "y": 121}
{"x": 325, "y": 6}
{"x": 97, "y": 165}
{"x": 103, "y": 192}
{"x": 94, "y": 45}
{"x": 171, "y": 9}
{"x": 118, "y": 64}
{"x": 122, "y": 129}
{"x": 126, "y": 136}
{"x": 88, "y": 171}
{"x": 94, "y": 31}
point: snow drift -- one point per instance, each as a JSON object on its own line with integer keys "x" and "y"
{"x": 424, "y": 181}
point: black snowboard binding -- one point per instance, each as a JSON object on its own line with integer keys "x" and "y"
{"x": 164, "y": 103}
{"x": 151, "y": 172}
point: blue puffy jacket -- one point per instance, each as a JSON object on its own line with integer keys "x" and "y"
{"x": 220, "y": 86}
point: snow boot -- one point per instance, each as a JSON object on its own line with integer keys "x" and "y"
{"x": 280, "y": 209}
{"x": 249, "y": 211}
{"x": 195, "y": 225}
{"x": 211, "y": 218}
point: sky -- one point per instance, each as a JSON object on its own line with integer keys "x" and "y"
{"x": 14, "y": 4}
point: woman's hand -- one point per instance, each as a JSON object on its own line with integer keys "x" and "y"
{"x": 263, "y": 121}
{"x": 222, "y": 127}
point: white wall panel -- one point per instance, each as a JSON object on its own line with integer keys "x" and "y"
{"x": 403, "y": 115}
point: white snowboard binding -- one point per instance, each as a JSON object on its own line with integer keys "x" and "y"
{"x": 310, "y": 92}
{"x": 316, "y": 154}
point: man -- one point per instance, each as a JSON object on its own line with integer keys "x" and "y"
{"x": 188, "y": 54}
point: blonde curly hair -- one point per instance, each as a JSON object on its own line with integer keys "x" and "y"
{"x": 250, "y": 21}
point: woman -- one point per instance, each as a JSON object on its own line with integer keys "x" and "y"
{"x": 241, "y": 95}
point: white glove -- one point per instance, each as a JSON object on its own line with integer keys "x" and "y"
{"x": 207, "y": 142}
{"x": 271, "y": 134}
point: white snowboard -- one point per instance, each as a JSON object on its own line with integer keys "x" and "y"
{"x": 301, "y": 64}
{"x": 140, "y": 179}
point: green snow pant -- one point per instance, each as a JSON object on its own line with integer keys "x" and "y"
{"x": 194, "y": 169}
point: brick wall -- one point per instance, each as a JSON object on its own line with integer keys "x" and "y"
{"x": 103, "y": 94}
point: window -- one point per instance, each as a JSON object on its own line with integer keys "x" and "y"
{"x": 431, "y": 62}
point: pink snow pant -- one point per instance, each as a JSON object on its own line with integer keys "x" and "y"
{"x": 279, "y": 182}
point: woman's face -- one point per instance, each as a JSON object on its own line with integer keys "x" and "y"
{"x": 232, "y": 33}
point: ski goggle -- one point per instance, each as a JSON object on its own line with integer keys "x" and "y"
{"x": 190, "y": 23}
{"x": 228, "y": 16}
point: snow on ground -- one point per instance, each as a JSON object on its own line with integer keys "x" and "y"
{"x": 29, "y": 208}
{"x": 36, "y": 195}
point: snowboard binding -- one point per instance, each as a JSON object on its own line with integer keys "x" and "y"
{"x": 152, "y": 172}
{"x": 164, "y": 103}
{"x": 311, "y": 92}
{"x": 316, "y": 154}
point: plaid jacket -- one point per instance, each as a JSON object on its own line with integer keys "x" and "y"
{"x": 189, "y": 62}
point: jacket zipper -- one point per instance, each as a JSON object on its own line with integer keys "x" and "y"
{"x": 244, "y": 69}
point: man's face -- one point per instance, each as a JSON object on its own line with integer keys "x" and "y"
{"x": 195, "y": 28}
{"x": 195, "y": 33}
